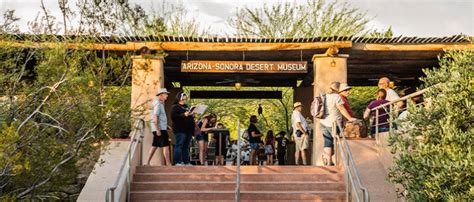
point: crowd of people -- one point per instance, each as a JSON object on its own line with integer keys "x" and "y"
{"x": 257, "y": 148}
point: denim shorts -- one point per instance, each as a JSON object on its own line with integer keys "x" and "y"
{"x": 328, "y": 139}
{"x": 253, "y": 146}
{"x": 201, "y": 137}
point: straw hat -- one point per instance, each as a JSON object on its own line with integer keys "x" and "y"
{"x": 344, "y": 87}
{"x": 161, "y": 91}
{"x": 297, "y": 104}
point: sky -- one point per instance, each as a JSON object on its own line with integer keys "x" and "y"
{"x": 406, "y": 17}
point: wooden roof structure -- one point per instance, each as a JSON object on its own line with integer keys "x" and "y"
{"x": 400, "y": 58}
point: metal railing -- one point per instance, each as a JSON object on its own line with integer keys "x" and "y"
{"x": 237, "y": 178}
{"x": 354, "y": 188}
{"x": 136, "y": 141}
{"x": 392, "y": 111}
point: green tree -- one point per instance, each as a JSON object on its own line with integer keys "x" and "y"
{"x": 434, "y": 146}
{"x": 360, "y": 97}
{"x": 54, "y": 112}
{"x": 381, "y": 34}
{"x": 8, "y": 22}
{"x": 229, "y": 110}
{"x": 316, "y": 18}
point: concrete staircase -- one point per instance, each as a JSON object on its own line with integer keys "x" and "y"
{"x": 204, "y": 183}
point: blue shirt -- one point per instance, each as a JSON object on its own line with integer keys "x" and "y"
{"x": 159, "y": 111}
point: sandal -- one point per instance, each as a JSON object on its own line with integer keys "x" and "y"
{"x": 325, "y": 161}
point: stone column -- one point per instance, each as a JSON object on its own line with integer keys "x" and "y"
{"x": 326, "y": 70}
{"x": 147, "y": 79}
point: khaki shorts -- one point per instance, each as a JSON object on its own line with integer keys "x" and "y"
{"x": 301, "y": 142}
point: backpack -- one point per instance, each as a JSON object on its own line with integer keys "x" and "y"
{"x": 317, "y": 106}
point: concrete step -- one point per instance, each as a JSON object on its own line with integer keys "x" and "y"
{"x": 244, "y": 186}
{"x": 244, "y": 195}
{"x": 267, "y": 177}
{"x": 243, "y": 169}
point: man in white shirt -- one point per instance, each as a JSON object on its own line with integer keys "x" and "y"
{"x": 384, "y": 83}
{"x": 300, "y": 133}
{"x": 159, "y": 127}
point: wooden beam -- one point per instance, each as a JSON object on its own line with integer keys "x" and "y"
{"x": 245, "y": 46}
{"x": 183, "y": 46}
{"x": 411, "y": 47}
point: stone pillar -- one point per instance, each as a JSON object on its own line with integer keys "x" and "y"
{"x": 304, "y": 94}
{"x": 326, "y": 70}
{"x": 147, "y": 79}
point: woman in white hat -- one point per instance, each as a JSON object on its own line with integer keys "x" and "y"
{"x": 333, "y": 114}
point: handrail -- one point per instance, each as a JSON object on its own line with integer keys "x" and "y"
{"x": 352, "y": 175}
{"x": 406, "y": 97}
{"x": 135, "y": 141}
{"x": 390, "y": 111}
{"x": 237, "y": 178}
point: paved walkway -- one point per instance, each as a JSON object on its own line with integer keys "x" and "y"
{"x": 373, "y": 174}
{"x": 104, "y": 175}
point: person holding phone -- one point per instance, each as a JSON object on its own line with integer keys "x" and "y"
{"x": 183, "y": 127}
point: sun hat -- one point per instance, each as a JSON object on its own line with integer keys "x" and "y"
{"x": 297, "y": 104}
{"x": 161, "y": 91}
{"x": 344, "y": 87}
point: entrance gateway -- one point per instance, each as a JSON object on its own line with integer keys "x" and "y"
{"x": 310, "y": 64}
{"x": 359, "y": 61}
{"x": 306, "y": 65}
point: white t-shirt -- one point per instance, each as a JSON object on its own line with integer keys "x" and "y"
{"x": 332, "y": 113}
{"x": 391, "y": 95}
{"x": 298, "y": 117}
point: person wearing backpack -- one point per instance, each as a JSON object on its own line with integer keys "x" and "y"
{"x": 333, "y": 111}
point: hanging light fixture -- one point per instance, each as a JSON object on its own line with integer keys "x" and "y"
{"x": 333, "y": 63}
{"x": 238, "y": 85}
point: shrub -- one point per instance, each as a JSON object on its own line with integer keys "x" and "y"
{"x": 435, "y": 158}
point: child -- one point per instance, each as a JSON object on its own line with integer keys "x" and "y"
{"x": 282, "y": 141}
{"x": 232, "y": 152}
{"x": 269, "y": 147}
{"x": 245, "y": 156}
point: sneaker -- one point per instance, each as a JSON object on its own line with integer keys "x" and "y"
{"x": 180, "y": 164}
{"x": 188, "y": 164}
